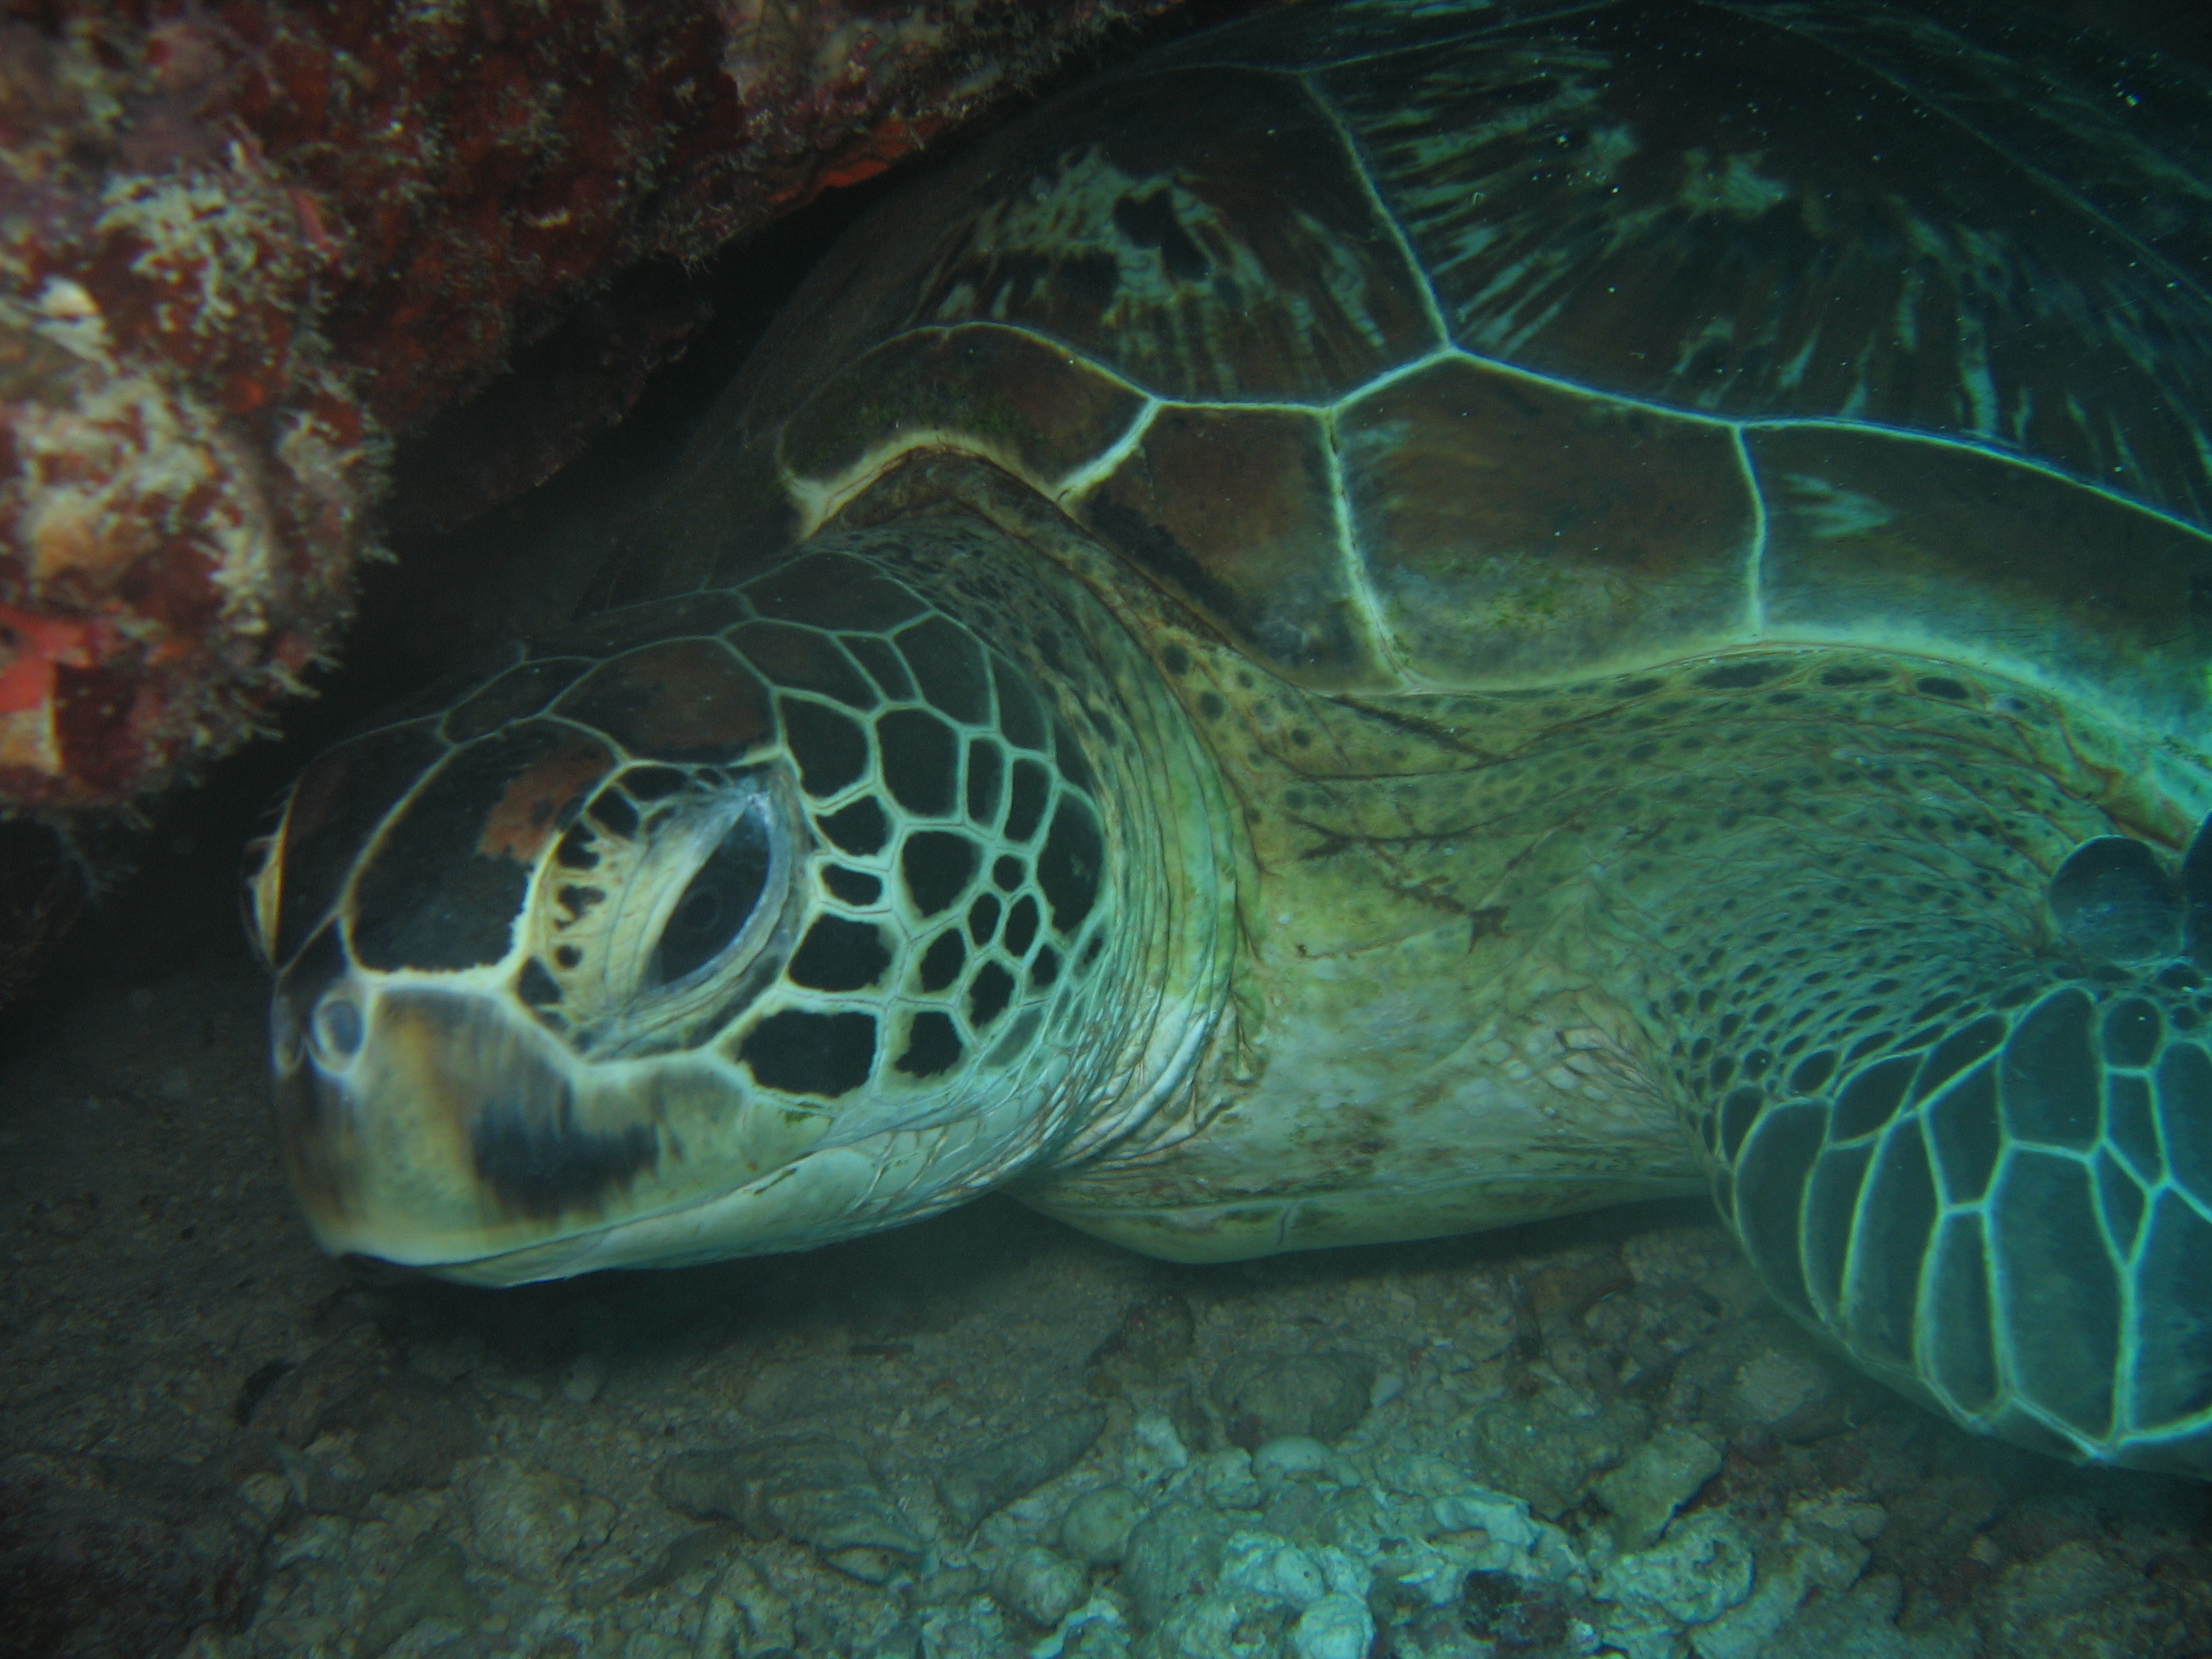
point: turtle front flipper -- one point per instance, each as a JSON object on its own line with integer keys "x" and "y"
{"x": 2007, "y": 1209}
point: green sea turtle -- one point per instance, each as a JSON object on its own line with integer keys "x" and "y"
{"x": 1403, "y": 617}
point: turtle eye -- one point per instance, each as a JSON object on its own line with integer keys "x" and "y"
{"x": 717, "y": 903}
{"x": 336, "y": 1028}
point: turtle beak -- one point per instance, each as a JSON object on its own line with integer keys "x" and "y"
{"x": 423, "y": 1126}
{"x": 430, "y": 1127}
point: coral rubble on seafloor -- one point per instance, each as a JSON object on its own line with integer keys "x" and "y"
{"x": 243, "y": 245}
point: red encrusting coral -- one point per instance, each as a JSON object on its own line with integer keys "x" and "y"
{"x": 245, "y": 243}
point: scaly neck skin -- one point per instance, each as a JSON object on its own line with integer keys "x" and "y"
{"x": 1790, "y": 897}
{"x": 1144, "y": 1015}
{"x": 1847, "y": 931}
{"x": 1797, "y": 875}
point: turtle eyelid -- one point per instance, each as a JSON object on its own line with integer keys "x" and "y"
{"x": 716, "y": 903}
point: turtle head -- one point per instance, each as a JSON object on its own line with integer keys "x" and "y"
{"x": 718, "y": 926}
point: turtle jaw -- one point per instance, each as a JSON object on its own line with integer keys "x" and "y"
{"x": 818, "y": 1199}
{"x": 456, "y": 1136}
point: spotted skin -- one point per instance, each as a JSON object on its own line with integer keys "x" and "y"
{"x": 1404, "y": 617}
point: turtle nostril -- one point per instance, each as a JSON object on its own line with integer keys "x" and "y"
{"x": 339, "y": 1029}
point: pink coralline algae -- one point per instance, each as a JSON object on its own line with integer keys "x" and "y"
{"x": 243, "y": 247}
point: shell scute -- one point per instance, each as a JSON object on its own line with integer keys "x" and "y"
{"x": 1205, "y": 234}
{"x": 1902, "y": 541}
{"x": 1787, "y": 232}
{"x": 1028, "y": 405}
{"x": 1235, "y": 510}
{"x": 1844, "y": 216}
{"x": 1515, "y": 531}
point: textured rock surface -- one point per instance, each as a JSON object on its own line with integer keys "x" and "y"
{"x": 2080, "y": 1599}
{"x": 432, "y": 1582}
{"x": 1657, "y": 1478}
{"x": 1096, "y": 1529}
{"x": 1039, "y": 1584}
{"x": 117, "y": 1555}
{"x": 813, "y": 1489}
{"x": 990, "y": 1477}
{"x": 534, "y": 1523}
{"x": 242, "y": 248}
{"x": 1265, "y": 1397}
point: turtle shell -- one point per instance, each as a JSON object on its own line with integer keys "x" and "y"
{"x": 1484, "y": 346}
